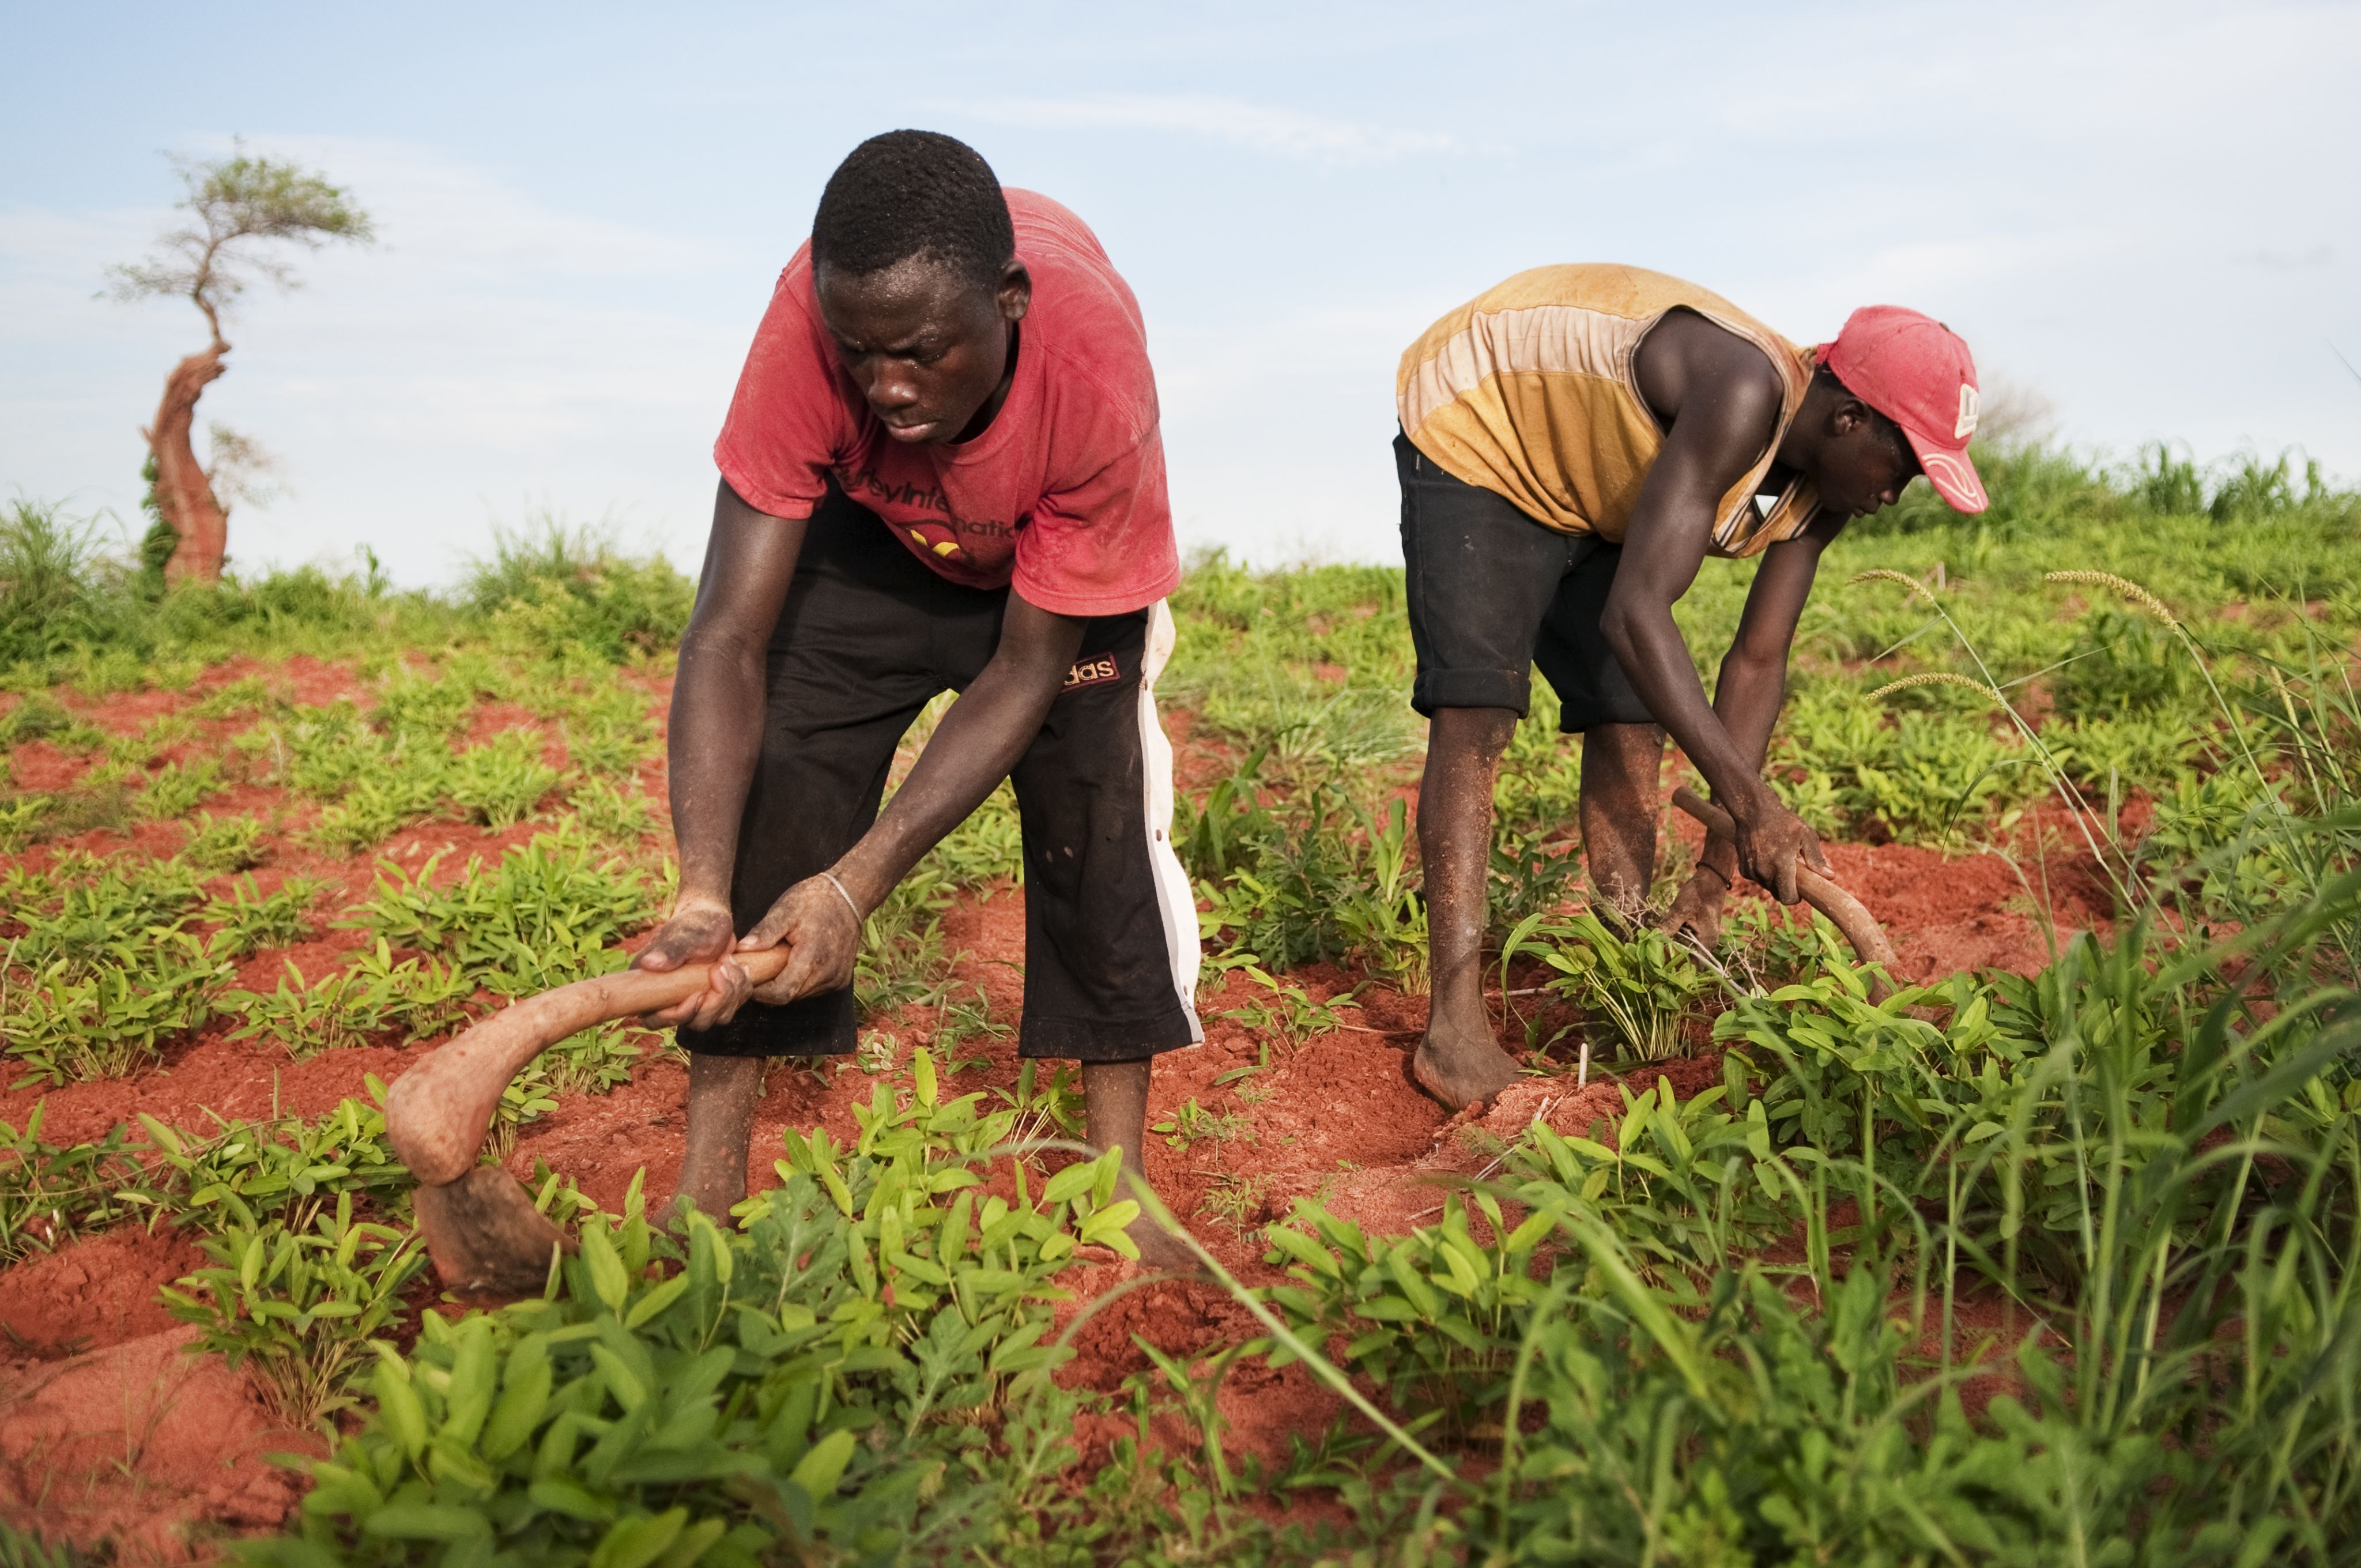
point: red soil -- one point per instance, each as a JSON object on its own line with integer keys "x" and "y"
{"x": 93, "y": 1293}
{"x": 108, "y": 1429}
{"x": 161, "y": 1451}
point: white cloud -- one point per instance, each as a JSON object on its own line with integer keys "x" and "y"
{"x": 1287, "y": 133}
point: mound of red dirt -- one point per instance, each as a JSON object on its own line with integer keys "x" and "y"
{"x": 94, "y": 1292}
{"x": 162, "y": 1452}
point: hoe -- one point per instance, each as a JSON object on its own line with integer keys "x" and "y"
{"x": 1844, "y": 911}
{"x": 482, "y": 1228}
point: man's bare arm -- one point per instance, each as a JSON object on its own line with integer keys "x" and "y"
{"x": 717, "y": 734}
{"x": 1753, "y": 680}
{"x": 982, "y": 737}
{"x": 1722, "y": 402}
{"x": 1753, "y": 684}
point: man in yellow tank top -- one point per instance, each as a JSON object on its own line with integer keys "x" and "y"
{"x": 1575, "y": 443}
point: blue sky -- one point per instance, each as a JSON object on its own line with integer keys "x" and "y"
{"x": 2144, "y": 215}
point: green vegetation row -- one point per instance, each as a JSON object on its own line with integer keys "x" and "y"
{"x": 76, "y": 604}
{"x": 2151, "y": 1171}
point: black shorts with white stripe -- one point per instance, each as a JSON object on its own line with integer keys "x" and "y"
{"x": 867, "y": 638}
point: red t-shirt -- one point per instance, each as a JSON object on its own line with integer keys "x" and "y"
{"x": 1062, "y": 495}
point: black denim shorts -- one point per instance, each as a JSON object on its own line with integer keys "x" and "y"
{"x": 869, "y": 636}
{"x": 1492, "y": 593}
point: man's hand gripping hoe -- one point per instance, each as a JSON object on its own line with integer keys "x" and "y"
{"x": 480, "y": 1226}
{"x": 1848, "y": 913}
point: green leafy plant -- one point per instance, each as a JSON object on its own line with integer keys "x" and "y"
{"x": 964, "y": 1014}
{"x": 298, "y": 1302}
{"x": 544, "y": 914}
{"x": 612, "y": 741}
{"x": 175, "y": 790}
{"x": 816, "y": 1380}
{"x": 246, "y": 1173}
{"x": 1189, "y": 1122}
{"x": 27, "y": 1549}
{"x": 372, "y": 995}
{"x": 49, "y": 1194}
{"x": 1435, "y": 1317}
{"x": 412, "y": 704}
{"x": 370, "y": 781}
{"x": 234, "y": 699}
{"x": 70, "y": 1021}
{"x": 1642, "y": 983}
{"x": 618, "y": 815}
{"x": 335, "y": 1008}
{"x": 87, "y": 911}
{"x": 500, "y": 783}
{"x": 1382, "y": 917}
{"x": 20, "y": 821}
{"x": 419, "y": 997}
{"x": 595, "y": 1061}
{"x": 1235, "y": 1199}
{"x": 1043, "y": 1109}
{"x": 225, "y": 843}
{"x": 903, "y": 958}
{"x": 368, "y": 815}
{"x": 246, "y": 920}
{"x": 1288, "y": 1011}
{"x": 32, "y": 716}
{"x": 1321, "y": 878}
{"x": 553, "y": 586}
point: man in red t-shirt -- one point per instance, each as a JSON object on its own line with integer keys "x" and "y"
{"x": 942, "y": 471}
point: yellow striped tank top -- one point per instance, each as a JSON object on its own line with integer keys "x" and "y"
{"x": 1529, "y": 389}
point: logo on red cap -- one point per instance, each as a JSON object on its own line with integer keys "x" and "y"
{"x": 1916, "y": 372}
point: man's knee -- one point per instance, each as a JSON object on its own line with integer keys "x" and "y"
{"x": 1479, "y": 731}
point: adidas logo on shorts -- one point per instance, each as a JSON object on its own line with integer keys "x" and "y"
{"x": 1095, "y": 672}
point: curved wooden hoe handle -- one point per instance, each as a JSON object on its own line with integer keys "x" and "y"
{"x": 1849, "y": 914}
{"x": 437, "y": 1113}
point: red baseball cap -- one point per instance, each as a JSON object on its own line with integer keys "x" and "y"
{"x": 1916, "y": 372}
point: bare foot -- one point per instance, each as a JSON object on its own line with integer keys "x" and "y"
{"x": 1462, "y": 1069}
{"x": 1115, "y": 1107}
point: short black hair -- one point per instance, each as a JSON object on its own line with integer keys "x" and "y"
{"x": 910, "y": 194}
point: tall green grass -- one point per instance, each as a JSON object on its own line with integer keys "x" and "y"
{"x": 75, "y": 605}
{"x": 55, "y": 590}
{"x": 553, "y": 584}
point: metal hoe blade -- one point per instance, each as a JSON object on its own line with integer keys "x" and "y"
{"x": 485, "y": 1236}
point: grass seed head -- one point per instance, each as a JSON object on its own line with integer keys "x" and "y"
{"x": 1935, "y": 678}
{"x": 1887, "y": 574}
{"x": 2123, "y": 586}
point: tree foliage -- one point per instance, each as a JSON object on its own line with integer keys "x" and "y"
{"x": 234, "y": 202}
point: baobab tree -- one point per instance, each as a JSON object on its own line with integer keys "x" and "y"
{"x": 236, "y": 205}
